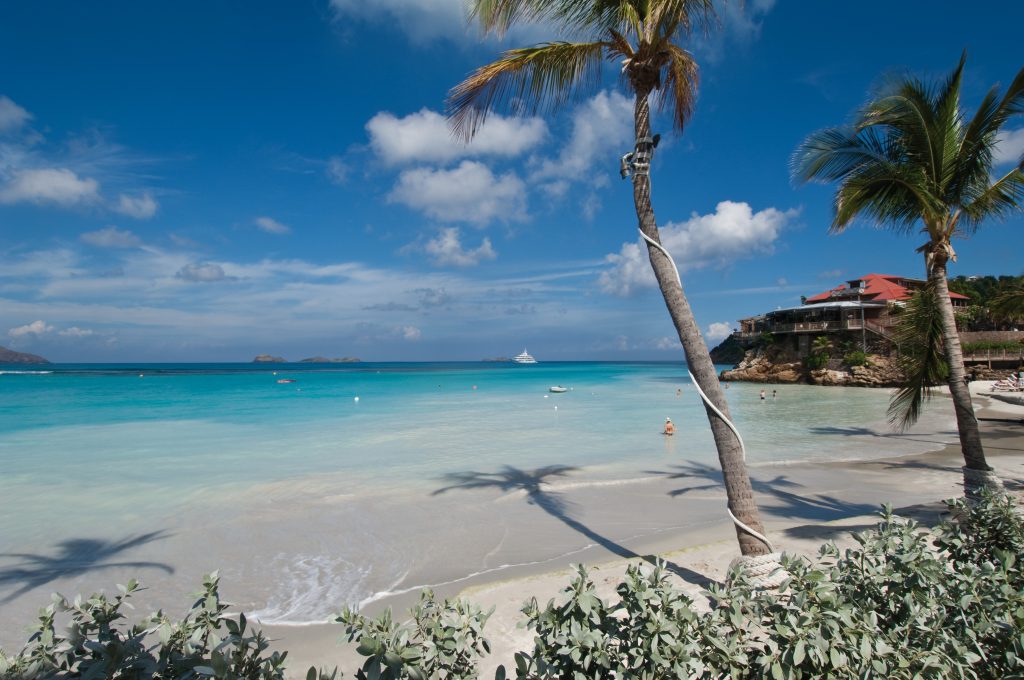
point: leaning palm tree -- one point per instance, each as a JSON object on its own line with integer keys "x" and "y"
{"x": 1008, "y": 305}
{"x": 644, "y": 35}
{"x": 913, "y": 159}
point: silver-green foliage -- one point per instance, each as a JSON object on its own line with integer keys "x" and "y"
{"x": 207, "y": 643}
{"x": 441, "y": 641}
{"x": 902, "y": 603}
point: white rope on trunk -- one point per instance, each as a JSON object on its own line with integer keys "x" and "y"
{"x": 743, "y": 450}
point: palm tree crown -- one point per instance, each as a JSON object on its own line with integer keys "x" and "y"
{"x": 641, "y": 33}
{"x": 912, "y": 155}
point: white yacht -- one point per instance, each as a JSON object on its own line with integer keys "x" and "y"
{"x": 524, "y": 358}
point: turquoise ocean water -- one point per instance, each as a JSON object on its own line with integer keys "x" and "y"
{"x": 220, "y": 453}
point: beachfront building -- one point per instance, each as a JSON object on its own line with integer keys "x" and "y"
{"x": 860, "y": 310}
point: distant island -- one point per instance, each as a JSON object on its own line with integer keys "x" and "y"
{"x": 326, "y": 360}
{"x": 9, "y": 356}
{"x": 271, "y": 359}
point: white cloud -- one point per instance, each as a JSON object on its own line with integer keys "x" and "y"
{"x": 425, "y": 136}
{"x": 272, "y": 226}
{"x": 34, "y": 328}
{"x": 446, "y": 249}
{"x": 718, "y": 331}
{"x": 111, "y": 237}
{"x": 411, "y": 333}
{"x": 202, "y": 272}
{"x": 337, "y": 171}
{"x": 49, "y": 185}
{"x": 421, "y": 20}
{"x": 141, "y": 207}
{"x": 733, "y": 232}
{"x": 468, "y": 193}
{"x": 602, "y": 128}
{"x": 12, "y": 116}
{"x": 1009, "y": 147}
{"x": 76, "y": 332}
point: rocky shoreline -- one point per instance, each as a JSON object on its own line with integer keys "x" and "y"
{"x": 764, "y": 366}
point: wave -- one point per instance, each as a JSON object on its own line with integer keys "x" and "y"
{"x": 25, "y": 372}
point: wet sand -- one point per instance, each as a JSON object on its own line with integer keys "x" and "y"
{"x": 803, "y": 505}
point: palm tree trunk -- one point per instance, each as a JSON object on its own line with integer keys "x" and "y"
{"x": 734, "y": 470}
{"x": 966, "y": 422}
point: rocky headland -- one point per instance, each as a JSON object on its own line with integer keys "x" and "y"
{"x": 9, "y": 356}
{"x": 767, "y": 366}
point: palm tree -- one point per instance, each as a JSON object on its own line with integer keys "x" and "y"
{"x": 912, "y": 158}
{"x": 644, "y": 35}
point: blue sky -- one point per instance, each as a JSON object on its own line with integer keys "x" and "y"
{"x": 208, "y": 181}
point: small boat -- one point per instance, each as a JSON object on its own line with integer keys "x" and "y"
{"x": 558, "y": 388}
{"x": 282, "y": 381}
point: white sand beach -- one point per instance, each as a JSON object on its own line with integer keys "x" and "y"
{"x": 803, "y": 505}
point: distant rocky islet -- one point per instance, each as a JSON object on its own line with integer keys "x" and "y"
{"x": 271, "y": 359}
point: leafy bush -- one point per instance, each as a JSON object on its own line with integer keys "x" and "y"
{"x": 206, "y": 643}
{"x": 441, "y": 641}
{"x": 856, "y": 358}
{"x": 816, "y": 361}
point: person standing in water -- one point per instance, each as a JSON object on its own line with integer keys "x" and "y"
{"x": 762, "y": 395}
{"x": 670, "y": 429}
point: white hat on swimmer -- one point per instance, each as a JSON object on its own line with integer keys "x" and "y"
{"x": 668, "y": 420}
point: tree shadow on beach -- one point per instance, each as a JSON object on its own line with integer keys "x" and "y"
{"x": 789, "y": 503}
{"x": 868, "y": 432}
{"x": 532, "y": 482}
{"x": 73, "y": 557}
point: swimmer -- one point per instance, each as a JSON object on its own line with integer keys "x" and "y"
{"x": 679, "y": 391}
{"x": 762, "y": 395}
{"x": 775, "y": 394}
{"x": 670, "y": 429}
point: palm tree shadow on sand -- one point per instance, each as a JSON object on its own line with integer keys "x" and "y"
{"x": 789, "y": 502}
{"x": 532, "y": 482}
{"x": 73, "y": 557}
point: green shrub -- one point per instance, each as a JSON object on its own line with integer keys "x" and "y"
{"x": 441, "y": 641}
{"x": 816, "y": 361}
{"x": 856, "y": 358}
{"x": 1013, "y": 345}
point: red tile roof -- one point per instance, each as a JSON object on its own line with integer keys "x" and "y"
{"x": 878, "y": 288}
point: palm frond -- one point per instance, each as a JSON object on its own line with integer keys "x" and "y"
{"x": 679, "y": 90}
{"x": 998, "y": 201}
{"x": 888, "y": 194}
{"x": 1009, "y": 304}
{"x": 834, "y": 153}
{"x": 918, "y": 334}
{"x": 527, "y": 80}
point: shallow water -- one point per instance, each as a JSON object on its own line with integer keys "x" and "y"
{"x": 312, "y": 499}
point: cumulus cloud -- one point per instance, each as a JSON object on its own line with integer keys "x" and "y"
{"x": 467, "y": 193}
{"x": 202, "y": 272}
{"x": 410, "y": 333}
{"x": 111, "y": 237}
{"x": 424, "y": 136}
{"x": 733, "y": 232}
{"x": 12, "y": 116}
{"x": 76, "y": 332}
{"x": 447, "y": 249}
{"x": 1009, "y": 147}
{"x": 718, "y": 331}
{"x": 272, "y": 226}
{"x": 49, "y": 185}
{"x": 600, "y": 126}
{"x": 422, "y": 20}
{"x": 35, "y": 328}
{"x": 140, "y": 207}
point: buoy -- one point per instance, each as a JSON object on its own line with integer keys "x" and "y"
{"x": 545, "y": 396}
{"x": 356, "y": 399}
